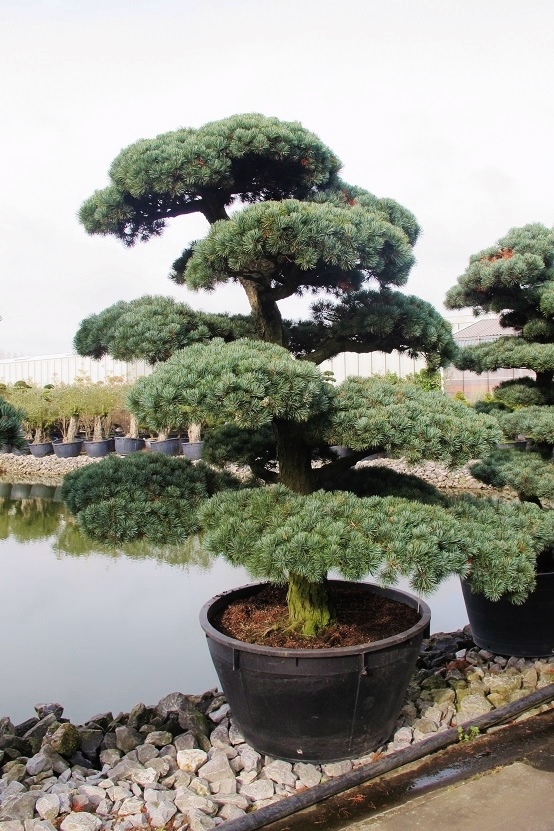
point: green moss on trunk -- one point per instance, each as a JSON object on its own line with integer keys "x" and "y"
{"x": 310, "y": 609}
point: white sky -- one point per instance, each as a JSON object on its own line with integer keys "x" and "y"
{"x": 445, "y": 105}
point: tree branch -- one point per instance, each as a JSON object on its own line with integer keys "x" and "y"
{"x": 329, "y": 471}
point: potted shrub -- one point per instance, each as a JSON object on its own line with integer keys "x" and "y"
{"x": 142, "y": 401}
{"x": 66, "y": 403}
{"x": 98, "y": 403}
{"x": 307, "y": 231}
{"x": 524, "y": 260}
{"x": 192, "y": 448}
{"x": 38, "y": 419}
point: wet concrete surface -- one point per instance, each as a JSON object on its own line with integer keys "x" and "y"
{"x": 501, "y": 780}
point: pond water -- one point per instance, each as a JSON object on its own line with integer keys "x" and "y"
{"x": 99, "y": 629}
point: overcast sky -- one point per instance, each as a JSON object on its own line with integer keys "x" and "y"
{"x": 445, "y": 105}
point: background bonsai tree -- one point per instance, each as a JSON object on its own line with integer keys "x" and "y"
{"x": 37, "y": 410}
{"x": 516, "y": 279}
{"x": 296, "y": 228}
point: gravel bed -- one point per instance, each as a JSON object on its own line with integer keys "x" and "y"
{"x": 183, "y": 763}
{"x": 50, "y": 470}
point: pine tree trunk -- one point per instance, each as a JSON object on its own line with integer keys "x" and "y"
{"x": 97, "y": 432}
{"x": 265, "y": 313}
{"x": 544, "y": 383}
{"x": 294, "y": 457}
{"x": 194, "y": 432}
{"x": 133, "y": 428}
{"x": 309, "y": 607}
{"x": 72, "y": 429}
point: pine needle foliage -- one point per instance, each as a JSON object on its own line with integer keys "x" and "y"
{"x": 515, "y": 278}
{"x": 531, "y": 476}
{"x": 401, "y": 419}
{"x": 536, "y": 423}
{"x": 151, "y": 496}
{"x": 295, "y": 227}
{"x": 11, "y": 425}
{"x": 248, "y": 383}
{"x": 249, "y": 157}
{"x": 152, "y": 328}
{"x": 275, "y": 533}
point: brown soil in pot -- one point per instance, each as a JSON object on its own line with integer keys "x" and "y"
{"x": 362, "y": 618}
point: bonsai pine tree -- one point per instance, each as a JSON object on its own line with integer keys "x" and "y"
{"x": 516, "y": 279}
{"x": 296, "y": 228}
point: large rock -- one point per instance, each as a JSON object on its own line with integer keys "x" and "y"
{"x": 65, "y": 740}
{"x": 127, "y": 738}
{"x": 48, "y": 806}
{"x": 20, "y": 806}
{"x": 191, "y": 760}
{"x": 217, "y": 769}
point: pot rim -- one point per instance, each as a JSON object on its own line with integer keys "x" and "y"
{"x": 283, "y": 652}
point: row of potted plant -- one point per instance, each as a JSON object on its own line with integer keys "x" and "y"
{"x": 65, "y": 419}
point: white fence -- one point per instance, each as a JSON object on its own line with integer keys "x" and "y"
{"x": 66, "y": 368}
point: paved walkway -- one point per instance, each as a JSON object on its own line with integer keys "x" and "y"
{"x": 515, "y": 798}
{"x": 501, "y": 781}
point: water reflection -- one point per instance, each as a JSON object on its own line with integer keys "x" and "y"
{"x": 101, "y": 628}
{"x": 33, "y": 517}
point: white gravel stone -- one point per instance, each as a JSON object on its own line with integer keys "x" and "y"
{"x": 132, "y": 805}
{"x": 48, "y": 806}
{"x": 281, "y": 773}
{"x": 258, "y": 790}
{"x": 337, "y": 768}
{"x": 308, "y": 774}
{"x": 160, "y": 812}
{"x": 81, "y": 821}
{"x": 191, "y": 760}
{"x": 217, "y": 769}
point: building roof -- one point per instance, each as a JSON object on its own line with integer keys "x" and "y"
{"x": 482, "y": 330}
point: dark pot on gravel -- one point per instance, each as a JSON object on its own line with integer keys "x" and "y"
{"x": 98, "y": 449}
{"x": 504, "y": 628}
{"x": 42, "y": 449}
{"x": 315, "y": 705}
{"x": 125, "y": 445}
{"x": 169, "y": 447}
{"x": 68, "y": 449}
{"x": 192, "y": 450}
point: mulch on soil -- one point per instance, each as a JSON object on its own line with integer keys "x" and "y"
{"x": 361, "y": 618}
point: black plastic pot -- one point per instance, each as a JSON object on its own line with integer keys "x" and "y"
{"x": 39, "y": 451}
{"x": 100, "y": 448}
{"x": 68, "y": 449}
{"x": 169, "y": 447}
{"x": 315, "y": 705}
{"x": 125, "y": 445}
{"x": 525, "y": 630}
{"x": 192, "y": 449}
